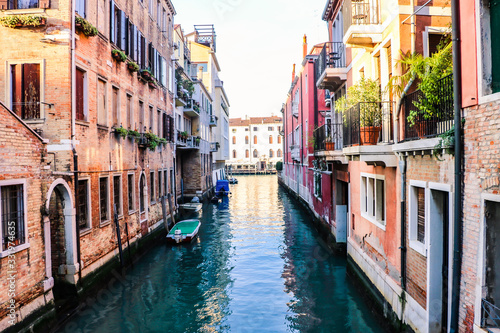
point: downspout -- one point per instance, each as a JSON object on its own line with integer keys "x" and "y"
{"x": 301, "y": 134}
{"x": 457, "y": 225}
{"x": 73, "y": 134}
{"x": 402, "y": 167}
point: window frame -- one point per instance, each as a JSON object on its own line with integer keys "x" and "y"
{"x": 85, "y": 93}
{"x": 106, "y": 106}
{"x": 131, "y": 189}
{"x": 89, "y": 205}
{"x": 120, "y": 195}
{"x": 415, "y": 244}
{"x": 26, "y": 243}
{"x": 365, "y": 199}
{"x": 115, "y": 111}
{"x": 108, "y": 201}
{"x": 152, "y": 189}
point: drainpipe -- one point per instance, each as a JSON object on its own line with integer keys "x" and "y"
{"x": 73, "y": 134}
{"x": 402, "y": 167}
{"x": 457, "y": 225}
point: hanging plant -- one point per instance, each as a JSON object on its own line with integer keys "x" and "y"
{"x": 153, "y": 140}
{"x": 123, "y": 132}
{"x": 118, "y": 55}
{"x": 132, "y": 66}
{"x": 146, "y": 74}
{"x": 13, "y": 21}
{"x": 134, "y": 134}
{"x": 85, "y": 27}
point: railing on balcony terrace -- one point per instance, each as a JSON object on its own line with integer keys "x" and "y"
{"x": 187, "y": 51}
{"x": 438, "y": 119}
{"x": 193, "y": 142}
{"x": 295, "y": 152}
{"x": 331, "y": 56}
{"x": 360, "y": 13}
{"x": 368, "y": 123}
{"x": 213, "y": 120}
{"x": 214, "y": 146}
{"x": 490, "y": 315}
{"x": 328, "y": 137}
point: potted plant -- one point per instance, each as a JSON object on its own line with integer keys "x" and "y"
{"x": 13, "y": 21}
{"x": 365, "y": 96}
{"x": 197, "y": 140}
{"x": 145, "y": 74}
{"x": 118, "y": 55}
{"x": 329, "y": 143}
{"x": 132, "y": 66}
{"x": 85, "y": 27}
{"x": 123, "y": 132}
{"x": 134, "y": 134}
{"x": 152, "y": 84}
{"x": 184, "y": 135}
{"x": 163, "y": 141}
{"x": 153, "y": 140}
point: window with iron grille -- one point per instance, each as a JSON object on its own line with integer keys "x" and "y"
{"x": 131, "y": 191}
{"x": 26, "y": 90}
{"x": 83, "y": 204}
{"x": 117, "y": 199}
{"x": 103, "y": 199}
{"x": 12, "y": 212}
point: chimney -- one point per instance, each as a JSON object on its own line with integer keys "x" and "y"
{"x": 293, "y": 73}
{"x": 304, "y": 47}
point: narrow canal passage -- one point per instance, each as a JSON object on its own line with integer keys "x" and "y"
{"x": 257, "y": 266}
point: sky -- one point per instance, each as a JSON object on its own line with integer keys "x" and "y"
{"x": 258, "y": 41}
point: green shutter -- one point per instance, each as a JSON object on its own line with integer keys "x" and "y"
{"x": 495, "y": 44}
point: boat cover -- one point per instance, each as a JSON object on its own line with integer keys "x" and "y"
{"x": 222, "y": 184}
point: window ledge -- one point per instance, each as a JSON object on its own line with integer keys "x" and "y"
{"x": 85, "y": 231}
{"x": 102, "y": 127}
{"x": 419, "y": 247}
{"x": 25, "y": 11}
{"x": 34, "y": 121}
{"x": 374, "y": 221}
{"x": 17, "y": 249}
{"x": 130, "y": 212}
{"x": 104, "y": 224}
{"x": 82, "y": 123}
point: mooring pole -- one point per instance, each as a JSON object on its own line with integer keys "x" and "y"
{"x": 118, "y": 236}
{"x": 128, "y": 245}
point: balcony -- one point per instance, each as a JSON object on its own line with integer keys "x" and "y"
{"x": 192, "y": 108}
{"x": 189, "y": 143}
{"x": 213, "y": 121}
{"x": 295, "y": 152}
{"x": 214, "y": 147}
{"x": 368, "y": 132}
{"x": 490, "y": 316}
{"x": 328, "y": 142}
{"x": 331, "y": 70}
{"x": 362, "y": 24}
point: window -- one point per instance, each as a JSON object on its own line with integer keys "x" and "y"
{"x": 159, "y": 122}
{"x": 116, "y": 106}
{"x": 24, "y": 4}
{"x": 172, "y": 181}
{"x": 131, "y": 192}
{"x": 255, "y": 139}
{"x": 234, "y": 130}
{"x": 130, "y": 112}
{"x": 373, "y": 199}
{"x": 142, "y": 200}
{"x": 142, "y": 121}
{"x": 80, "y": 7}
{"x": 255, "y": 129}
{"x": 279, "y": 138}
{"x": 270, "y": 139}
{"x": 151, "y": 120}
{"x": 102, "y": 97}
{"x": 81, "y": 95}
{"x": 159, "y": 183}
{"x": 103, "y": 200}
{"x": 246, "y": 139}
{"x": 83, "y": 210}
{"x": 279, "y": 128}
{"x": 271, "y": 153}
{"x": 234, "y": 153}
{"x": 117, "y": 198}
{"x": 278, "y": 153}
{"x": 246, "y": 129}
{"x": 165, "y": 182}
{"x": 317, "y": 184}
{"x": 12, "y": 210}
{"x": 234, "y": 140}
{"x": 158, "y": 13}
{"x": 416, "y": 215}
{"x": 270, "y": 128}
{"x": 152, "y": 186}
{"x": 151, "y": 7}
{"x": 26, "y": 90}
{"x": 255, "y": 153}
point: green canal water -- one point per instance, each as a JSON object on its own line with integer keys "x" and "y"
{"x": 257, "y": 266}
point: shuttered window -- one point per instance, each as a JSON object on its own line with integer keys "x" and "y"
{"x": 80, "y": 7}
{"x": 116, "y": 106}
{"x": 80, "y": 95}
{"x": 26, "y": 90}
{"x": 103, "y": 199}
{"x": 24, "y": 4}
{"x": 102, "y": 111}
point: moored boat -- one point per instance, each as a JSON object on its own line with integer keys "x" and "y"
{"x": 191, "y": 207}
{"x": 184, "y": 231}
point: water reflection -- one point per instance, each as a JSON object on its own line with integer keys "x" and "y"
{"x": 257, "y": 266}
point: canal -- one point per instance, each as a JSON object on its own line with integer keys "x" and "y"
{"x": 257, "y": 266}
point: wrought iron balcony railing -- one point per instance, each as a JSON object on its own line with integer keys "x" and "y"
{"x": 368, "y": 123}
{"x": 331, "y": 56}
{"x": 214, "y": 147}
{"x": 490, "y": 315}
{"x": 328, "y": 137}
{"x": 429, "y": 117}
{"x": 360, "y": 13}
{"x": 213, "y": 120}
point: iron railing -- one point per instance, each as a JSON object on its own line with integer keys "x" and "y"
{"x": 328, "y": 137}
{"x": 490, "y": 315}
{"x": 295, "y": 152}
{"x": 437, "y": 117}
{"x": 213, "y": 120}
{"x": 368, "y": 123}
{"x": 360, "y": 13}
{"x": 331, "y": 56}
{"x": 214, "y": 146}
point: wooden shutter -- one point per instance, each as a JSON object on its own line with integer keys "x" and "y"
{"x": 123, "y": 31}
{"x": 143, "y": 52}
{"x": 112, "y": 21}
{"x": 172, "y": 129}
{"x": 150, "y": 56}
{"x": 17, "y": 89}
{"x": 44, "y": 4}
{"x": 80, "y": 115}
{"x": 31, "y": 91}
{"x": 421, "y": 215}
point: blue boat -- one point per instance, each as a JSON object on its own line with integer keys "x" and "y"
{"x": 222, "y": 188}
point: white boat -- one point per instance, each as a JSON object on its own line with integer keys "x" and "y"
{"x": 191, "y": 206}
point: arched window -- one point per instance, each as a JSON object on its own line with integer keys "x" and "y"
{"x": 255, "y": 139}
{"x": 270, "y": 139}
{"x": 246, "y": 140}
{"x": 234, "y": 140}
{"x": 279, "y": 138}
{"x": 247, "y": 153}
{"x": 255, "y": 153}
{"x": 234, "y": 153}
{"x": 278, "y": 153}
{"x": 271, "y": 153}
